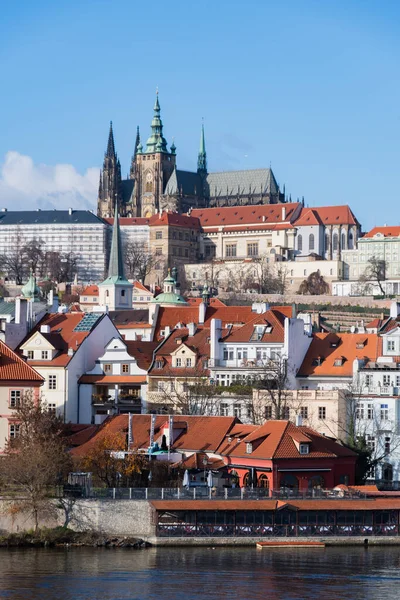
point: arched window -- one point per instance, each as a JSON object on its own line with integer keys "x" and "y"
{"x": 263, "y": 481}
{"x": 335, "y": 242}
{"x": 351, "y": 241}
{"x": 327, "y": 242}
{"x": 290, "y": 482}
{"x": 300, "y": 243}
{"x": 387, "y": 472}
{"x": 316, "y": 483}
{"x": 311, "y": 242}
{"x": 343, "y": 241}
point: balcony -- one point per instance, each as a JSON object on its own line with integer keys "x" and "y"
{"x": 102, "y": 400}
{"x": 384, "y": 390}
{"x": 244, "y": 363}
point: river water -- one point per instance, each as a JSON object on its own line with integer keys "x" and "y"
{"x": 186, "y": 573}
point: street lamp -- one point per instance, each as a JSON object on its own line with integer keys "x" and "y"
{"x": 205, "y": 462}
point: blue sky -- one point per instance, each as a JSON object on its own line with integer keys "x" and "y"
{"x": 310, "y": 87}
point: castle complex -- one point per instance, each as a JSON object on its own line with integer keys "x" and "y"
{"x": 156, "y": 184}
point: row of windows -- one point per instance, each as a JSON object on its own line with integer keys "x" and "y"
{"x": 231, "y": 249}
{"x": 107, "y": 368}
{"x": 335, "y": 242}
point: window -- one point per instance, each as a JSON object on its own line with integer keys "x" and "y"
{"x": 178, "y": 362}
{"x": 384, "y": 412}
{"x": 391, "y": 346}
{"x": 188, "y": 362}
{"x": 300, "y": 243}
{"x": 386, "y": 380}
{"x": 51, "y": 407}
{"x": 158, "y": 251}
{"x": 304, "y": 412}
{"x": 14, "y": 431}
{"x": 15, "y": 398}
{"x": 125, "y": 368}
{"x": 45, "y": 355}
{"x": 252, "y": 249}
{"x": 224, "y": 410}
{"x": 286, "y": 413}
{"x": 122, "y": 293}
{"x": 343, "y": 241}
{"x": 335, "y": 242}
{"x": 230, "y": 250}
{"x": 371, "y": 442}
{"x": 326, "y": 242}
{"x": 370, "y": 411}
{"x": 158, "y": 235}
{"x": 360, "y": 411}
{"x": 387, "y": 445}
{"x": 268, "y": 412}
{"x": 304, "y": 448}
{"x": 249, "y": 448}
{"x": 237, "y": 410}
{"x": 107, "y": 368}
{"x": 228, "y": 354}
{"x": 30, "y": 354}
{"x": 158, "y": 364}
{"x": 321, "y": 412}
{"x": 368, "y": 380}
{"x": 311, "y": 241}
{"x": 52, "y": 382}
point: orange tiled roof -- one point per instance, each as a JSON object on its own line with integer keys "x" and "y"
{"x": 14, "y": 368}
{"x": 176, "y": 219}
{"x": 331, "y": 347}
{"x": 90, "y": 290}
{"x": 139, "y": 286}
{"x": 199, "y": 343}
{"x": 273, "y": 319}
{"x": 142, "y": 351}
{"x": 386, "y": 231}
{"x": 124, "y": 221}
{"x": 197, "y": 433}
{"x": 327, "y": 215}
{"x": 62, "y": 336}
{"x": 261, "y": 214}
{"x": 112, "y": 379}
{"x": 197, "y": 301}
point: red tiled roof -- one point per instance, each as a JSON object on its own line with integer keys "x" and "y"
{"x": 14, "y": 368}
{"x": 345, "y": 348}
{"x": 140, "y": 286}
{"x": 112, "y": 379}
{"x": 327, "y": 215}
{"x": 386, "y": 231}
{"x": 199, "y": 343}
{"x": 142, "y": 351}
{"x": 62, "y": 336}
{"x": 124, "y": 221}
{"x": 324, "y": 504}
{"x": 272, "y": 318}
{"x": 175, "y": 219}
{"x": 199, "y": 433}
{"x": 90, "y": 290}
{"x": 261, "y": 214}
{"x": 78, "y": 434}
{"x": 197, "y": 301}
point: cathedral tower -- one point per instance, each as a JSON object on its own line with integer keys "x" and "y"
{"x": 152, "y": 168}
{"x": 110, "y": 180}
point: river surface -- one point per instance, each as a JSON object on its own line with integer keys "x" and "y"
{"x": 186, "y": 573}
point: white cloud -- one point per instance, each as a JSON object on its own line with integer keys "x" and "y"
{"x": 25, "y": 185}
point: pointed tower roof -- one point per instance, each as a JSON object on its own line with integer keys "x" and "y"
{"x": 116, "y": 273}
{"x": 156, "y": 141}
{"x": 202, "y": 157}
{"x": 137, "y": 142}
{"x": 111, "y": 146}
{"x": 30, "y": 289}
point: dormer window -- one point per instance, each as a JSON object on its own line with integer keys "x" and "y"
{"x": 107, "y": 368}
{"x": 304, "y": 448}
{"x": 158, "y": 364}
{"x": 249, "y": 448}
{"x": 338, "y": 362}
{"x": 318, "y": 361}
{"x": 258, "y": 333}
{"x": 361, "y": 344}
{"x": 45, "y": 355}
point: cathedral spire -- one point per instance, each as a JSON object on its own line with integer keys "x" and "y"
{"x": 137, "y": 142}
{"x": 202, "y": 157}
{"x": 156, "y": 141}
{"x": 111, "y": 146}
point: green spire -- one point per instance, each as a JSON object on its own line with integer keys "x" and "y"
{"x": 156, "y": 141}
{"x": 116, "y": 265}
{"x": 30, "y": 289}
{"x": 202, "y": 157}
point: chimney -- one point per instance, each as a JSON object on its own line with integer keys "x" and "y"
{"x": 17, "y": 316}
{"x": 70, "y": 351}
{"x": 394, "y": 310}
{"x": 299, "y": 421}
{"x": 192, "y": 329}
{"x": 45, "y": 329}
{"x": 264, "y": 218}
{"x": 283, "y": 213}
{"x": 167, "y": 330}
{"x": 202, "y": 313}
{"x": 215, "y": 334}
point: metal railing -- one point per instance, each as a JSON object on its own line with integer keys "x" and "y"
{"x": 211, "y": 493}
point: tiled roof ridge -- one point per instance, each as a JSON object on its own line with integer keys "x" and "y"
{"x": 30, "y": 374}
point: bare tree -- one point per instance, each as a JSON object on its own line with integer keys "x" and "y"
{"x": 274, "y": 399}
{"x": 270, "y": 279}
{"x": 33, "y": 254}
{"x": 61, "y": 267}
{"x": 314, "y": 285}
{"x": 189, "y": 393}
{"x": 138, "y": 261}
{"x": 375, "y": 273}
{"x": 35, "y": 461}
{"x": 13, "y": 262}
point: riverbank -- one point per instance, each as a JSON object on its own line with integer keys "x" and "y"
{"x": 61, "y": 536}
{"x": 252, "y": 541}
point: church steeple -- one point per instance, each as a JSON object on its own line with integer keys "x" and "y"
{"x": 116, "y": 264}
{"x": 137, "y": 142}
{"x": 111, "y": 146}
{"x": 110, "y": 179}
{"x": 202, "y": 157}
{"x": 156, "y": 141}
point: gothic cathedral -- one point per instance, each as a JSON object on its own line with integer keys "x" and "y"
{"x": 155, "y": 184}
